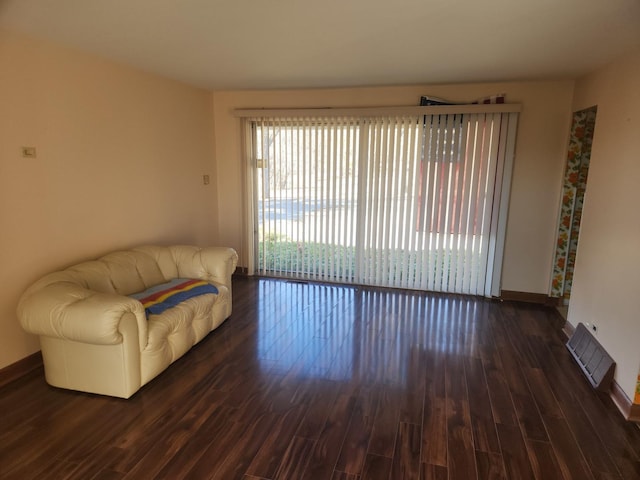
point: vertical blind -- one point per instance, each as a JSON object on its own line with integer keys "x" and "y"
{"x": 405, "y": 200}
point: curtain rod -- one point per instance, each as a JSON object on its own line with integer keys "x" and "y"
{"x": 377, "y": 111}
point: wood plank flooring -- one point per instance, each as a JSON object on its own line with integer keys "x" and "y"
{"x": 337, "y": 383}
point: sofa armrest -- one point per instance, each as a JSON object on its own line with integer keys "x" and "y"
{"x": 213, "y": 264}
{"x": 219, "y": 264}
{"x": 69, "y": 311}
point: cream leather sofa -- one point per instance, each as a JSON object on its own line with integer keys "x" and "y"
{"x": 95, "y": 338}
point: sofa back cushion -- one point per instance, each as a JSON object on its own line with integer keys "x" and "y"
{"x": 123, "y": 273}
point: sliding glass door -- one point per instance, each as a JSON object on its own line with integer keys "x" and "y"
{"x": 406, "y": 201}
{"x": 306, "y": 199}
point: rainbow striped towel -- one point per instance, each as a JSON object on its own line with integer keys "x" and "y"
{"x": 156, "y": 300}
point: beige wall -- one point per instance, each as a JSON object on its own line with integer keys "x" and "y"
{"x": 607, "y": 274}
{"x": 540, "y": 157}
{"x": 120, "y": 159}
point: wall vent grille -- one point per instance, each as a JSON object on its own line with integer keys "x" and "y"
{"x": 595, "y": 362}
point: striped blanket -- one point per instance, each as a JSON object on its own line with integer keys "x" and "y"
{"x": 166, "y": 295}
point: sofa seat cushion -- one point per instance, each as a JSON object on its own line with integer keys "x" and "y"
{"x": 173, "y": 332}
{"x": 159, "y": 298}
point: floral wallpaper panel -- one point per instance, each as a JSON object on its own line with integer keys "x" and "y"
{"x": 575, "y": 183}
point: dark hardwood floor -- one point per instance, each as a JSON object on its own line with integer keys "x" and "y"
{"x": 328, "y": 382}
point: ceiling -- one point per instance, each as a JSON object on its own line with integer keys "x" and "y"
{"x": 268, "y": 44}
